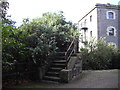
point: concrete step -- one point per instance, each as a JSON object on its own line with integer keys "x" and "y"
{"x": 50, "y": 73}
{"x": 60, "y": 53}
{"x": 58, "y": 65}
{"x": 55, "y": 69}
{"x": 57, "y": 58}
{"x": 51, "y": 78}
{"x": 59, "y": 61}
{"x": 48, "y": 81}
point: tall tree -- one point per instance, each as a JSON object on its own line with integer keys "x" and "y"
{"x": 48, "y": 34}
{"x": 4, "y": 5}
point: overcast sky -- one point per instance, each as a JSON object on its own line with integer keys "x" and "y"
{"x": 73, "y": 9}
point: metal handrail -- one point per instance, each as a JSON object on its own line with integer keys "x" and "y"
{"x": 72, "y": 48}
{"x": 69, "y": 47}
{"x": 69, "y": 55}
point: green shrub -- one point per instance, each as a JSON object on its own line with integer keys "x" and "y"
{"x": 100, "y": 57}
{"x": 116, "y": 60}
{"x": 29, "y": 46}
{"x": 47, "y": 35}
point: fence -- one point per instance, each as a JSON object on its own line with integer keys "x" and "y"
{"x": 19, "y": 73}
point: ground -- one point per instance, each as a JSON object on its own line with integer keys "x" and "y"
{"x": 88, "y": 79}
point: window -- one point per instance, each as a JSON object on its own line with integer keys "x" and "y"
{"x": 91, "y": 18}
{"x": 81, "y": 37}
{"x": 111, "y": 31}
{"x": 110, "y": 15}
{"x": 90, "y": 33}
{"x": 85, "y": 22}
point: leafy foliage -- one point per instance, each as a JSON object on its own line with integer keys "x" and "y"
{"x": 29, "y": 46}
{"x": 48, "y": 34}
{"x": 34, "y": 41}
{"x": 3, "y": 8}
{"x": 99, "y": 57}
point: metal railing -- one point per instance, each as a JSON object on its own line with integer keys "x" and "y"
{"x": 72, "y": 49}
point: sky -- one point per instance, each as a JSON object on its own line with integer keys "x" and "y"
{"x": 73, "y": 9}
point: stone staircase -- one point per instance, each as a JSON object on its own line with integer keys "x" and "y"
{"x": 61, "y": 64}
{"x": 56, "y": 66}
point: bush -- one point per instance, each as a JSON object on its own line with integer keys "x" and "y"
{"x": 48, "y": 35}
{"x": 100, "y": 57}
{"x": 115, "y": 60}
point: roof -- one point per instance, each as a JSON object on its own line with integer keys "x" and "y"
{"x": 108, "y": 6}
{"x": 98, "y": 5}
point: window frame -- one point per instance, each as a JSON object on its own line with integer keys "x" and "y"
{"x": 90, "y": 18}
{"x": 85, "y": 22}
{"x": 107, "y": 15}
{"x": 108, "y": 30}
{"x": 91, "y": 33}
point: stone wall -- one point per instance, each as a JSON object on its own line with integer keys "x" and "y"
{"x": 77, "y": 69}
{"x": 44, "y": 69}
{"x": 74, "y": 68}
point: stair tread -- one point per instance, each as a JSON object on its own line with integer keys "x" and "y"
{"x": 55, "y": 68}
{"x": 53, "y": 72}
{"x": 59, "y": 61}
{"x": 59, "y": 64}
{"x": 60, "y": 53}
{"x": 49, "y": 81}
{"x": 51, "y": 77}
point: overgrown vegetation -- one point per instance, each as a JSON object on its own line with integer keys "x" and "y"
{"x": 99, "y": 55}
{"x": 33, "y": 42}
{"x": 36, "y": 40}
{"x": 47, "y": 35}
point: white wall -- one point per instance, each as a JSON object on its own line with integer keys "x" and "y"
{"x": 91, "y": 25}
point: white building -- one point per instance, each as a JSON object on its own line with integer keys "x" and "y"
{"x": 101, "y": 21}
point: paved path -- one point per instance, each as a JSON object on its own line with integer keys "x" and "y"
{"x": 93, "y": 79}
{"x": 87, "y": 79}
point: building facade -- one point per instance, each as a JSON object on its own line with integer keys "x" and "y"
{"x": 102, "y": 21}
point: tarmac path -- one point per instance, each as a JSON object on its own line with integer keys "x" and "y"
{"x": 87, "y": 79}
{"x": 93, "y": 79}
